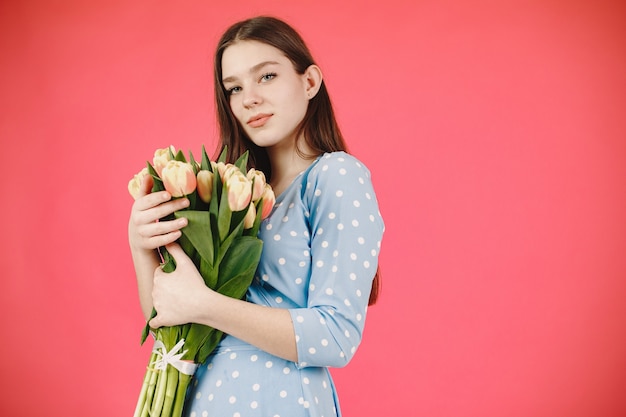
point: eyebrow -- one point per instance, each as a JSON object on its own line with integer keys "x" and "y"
{"x": 252, "y": 70}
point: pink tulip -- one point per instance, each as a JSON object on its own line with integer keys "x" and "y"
{"x": 134, "y": 185}
{"x": 161, "y": 157}
{"x": 220, "y": 167}
{"x": 239, "y": 191}
{"x": 269, "y": 199}
{"x": 248, "y": 221}
{"x": 178, "y": 178}
{"x": 229, "y": 170}
{"x": 258, "y": 183}
{"x": 205, "y": 185}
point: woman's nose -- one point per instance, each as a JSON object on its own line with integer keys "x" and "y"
{"x": 251, "y": 97}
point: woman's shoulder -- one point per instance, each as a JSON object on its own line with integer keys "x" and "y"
{"x": 334, "y": 172}
{"x": 337, "y": 165}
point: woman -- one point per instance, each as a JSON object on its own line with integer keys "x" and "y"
{"x": 305, "y": 310}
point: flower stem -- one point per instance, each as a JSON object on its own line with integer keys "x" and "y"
{"x": 170, "y": 391}
{"x": 142, "y": 393}
{"x": 157, "y": 404}
{"x": 151, "y": 387}
{"x": 147, "y": 387}
{"x": 181, "y": 394}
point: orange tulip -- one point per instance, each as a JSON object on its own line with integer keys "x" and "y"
{"x": 205, "y": 185}
{"x": 178, "y": 178}
{"x": 221, "y": 168}
{"x": 239, "y": 190}
{"x": 269, "y": 199}
{"x": 248, "y": 221}
{"x": 134, "y": 185}
{"x": 161, "y": 157}
{"x": 258, "y": 183}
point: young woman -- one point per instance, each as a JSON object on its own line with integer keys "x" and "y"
{"x": 306, "y": 308}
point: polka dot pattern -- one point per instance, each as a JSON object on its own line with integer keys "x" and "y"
{"x": 320, "y": 253}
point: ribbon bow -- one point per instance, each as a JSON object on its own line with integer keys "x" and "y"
{"x": 173, "y": 358}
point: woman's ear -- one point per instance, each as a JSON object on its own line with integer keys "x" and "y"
{"x": 313, "y": 80}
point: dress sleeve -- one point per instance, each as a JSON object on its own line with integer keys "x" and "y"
{"x": 346, "y": 229}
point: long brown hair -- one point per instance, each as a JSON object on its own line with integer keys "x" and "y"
{"x": 319, "y": 127}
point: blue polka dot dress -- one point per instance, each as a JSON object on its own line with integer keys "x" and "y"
{"x": 320, "y": 253}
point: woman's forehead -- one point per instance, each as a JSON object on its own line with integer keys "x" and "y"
{"x": 242, "y": 56}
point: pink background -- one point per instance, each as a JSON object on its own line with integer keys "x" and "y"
{"x": 495, "y": 132}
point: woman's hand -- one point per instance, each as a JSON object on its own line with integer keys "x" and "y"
{"x": 178, "y": 296}
{"x": 145, "y": 232}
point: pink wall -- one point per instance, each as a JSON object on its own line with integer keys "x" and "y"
{"x": 496, "y": 135}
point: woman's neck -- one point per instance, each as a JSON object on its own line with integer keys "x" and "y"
{"x": 286, "y": 165}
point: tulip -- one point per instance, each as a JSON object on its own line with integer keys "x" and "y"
{"x": 178, "y": 178}
{"x": 269, "y": 199}
{"x": 220, "y": 167}
{"x": 248, "y": 221}
{"x": 205, "y": 185}
{"x": 258, "y": 183}
{"x": 229, "y": 170}
{"x": 161, "y": 157}
{"x": 134, "y": 185}
{"x": 239, "y": 191}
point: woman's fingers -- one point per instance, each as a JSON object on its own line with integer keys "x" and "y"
{"x": 151, "y": 208}
{"x": 146, "y": 230}
{"x": 155, "y": 234}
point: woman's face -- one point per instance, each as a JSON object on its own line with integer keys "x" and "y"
{"x": 267, "y": 96}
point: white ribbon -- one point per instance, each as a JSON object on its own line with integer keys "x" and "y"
{"x": 173, "y": 358}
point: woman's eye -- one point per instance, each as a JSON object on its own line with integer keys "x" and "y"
{"x": 233, "y": 90}
{"x": 268, "y": 76}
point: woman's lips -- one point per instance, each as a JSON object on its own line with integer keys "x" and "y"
{"x": 258, "y": 120}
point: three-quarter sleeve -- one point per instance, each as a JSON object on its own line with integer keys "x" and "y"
{"x": 346, "y": 229}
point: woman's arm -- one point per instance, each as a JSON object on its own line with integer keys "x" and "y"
{"x": 182, "y": 297}
{"x": 346, "y": 231}
{"x": 146, "y": 234}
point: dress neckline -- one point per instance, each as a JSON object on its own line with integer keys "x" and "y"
{"x": 281, "y": 196}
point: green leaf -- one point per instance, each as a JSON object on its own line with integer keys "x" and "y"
{"x": 194, "y": 201}
{"x": 236, "y": 287}
{"x": 157, "y": 183}
{"x": 239, "y": 263}
{"x": 237, "y": 218}
{"x": 187, "y": 246}
{"x": 180, "y": 156}
{"x": 197, "y": 337}
{"x": 209, "y": 273}
{"x": 169, "y": 263}
{"x": 216, "y": 194}
{"x": 147, "y": 328}
{"x": 222, "y": 157}
{"x": 206, "y": 162}
{"x": 215, "y": 235}
{"x": 242, "y": 162}
{"x": 225, "y": 245}
{"x": 209, "y": 346}
{"x": 198, "y": 231}
{"x": 224, "y": 216}
{"x": 193, "y": 163}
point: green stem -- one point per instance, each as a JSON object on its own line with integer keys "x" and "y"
{"x": 181, "y": 394}
{"x": 170, "y": 391}
{"x": 151, "y": 387}
{"x": 144, "y": 388}
{"x": 157, "y": 404}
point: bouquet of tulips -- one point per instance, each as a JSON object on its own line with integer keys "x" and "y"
{"x": 226, "y": 207}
